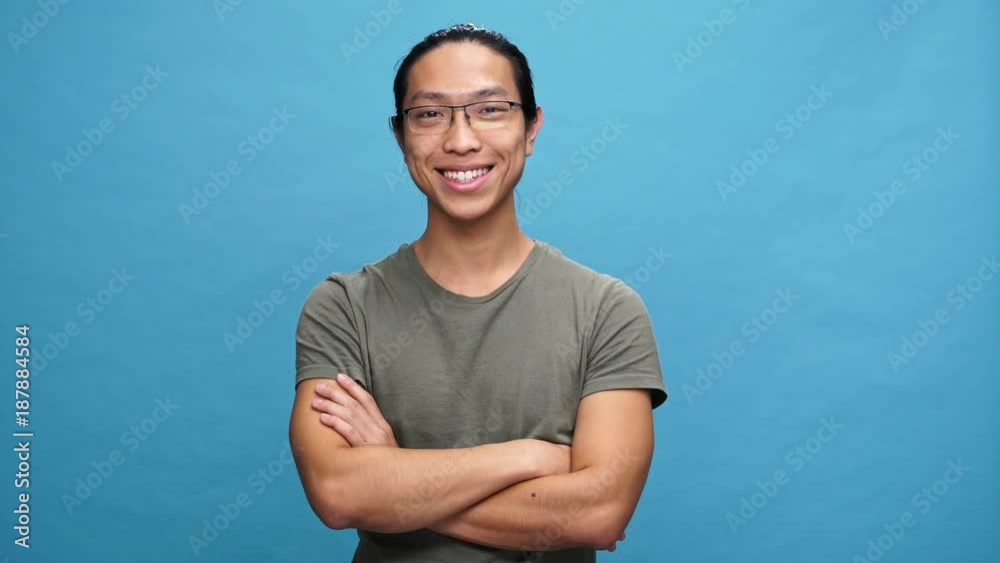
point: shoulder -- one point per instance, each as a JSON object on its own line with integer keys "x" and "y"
{"x": 606, "y": 304}
{"x": 353, "y": 286}
{"x": 596, "y": 288}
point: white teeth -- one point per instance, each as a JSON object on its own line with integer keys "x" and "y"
{"x": 465, "y": 175}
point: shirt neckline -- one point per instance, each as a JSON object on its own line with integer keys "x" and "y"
{"x": 428, "y": 282}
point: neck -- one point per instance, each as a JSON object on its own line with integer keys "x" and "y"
{"x": 473, "y": 257}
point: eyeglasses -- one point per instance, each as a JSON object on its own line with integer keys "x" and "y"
{"x": 433, "y": 120}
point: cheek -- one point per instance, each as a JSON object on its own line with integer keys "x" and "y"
{"x": 419, "y": 157}
{"x": 417, "y": 149}
{"x": 414, "y": 163}
{"x": 516, "y": 152}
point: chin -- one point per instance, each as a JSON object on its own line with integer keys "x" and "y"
{"x": 466, "y": 213}
{"x": 468, "y": 209}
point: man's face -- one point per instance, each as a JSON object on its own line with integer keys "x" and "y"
{"x": 459, "y": 73}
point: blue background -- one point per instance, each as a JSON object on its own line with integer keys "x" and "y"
{"x": 332, "y": 173}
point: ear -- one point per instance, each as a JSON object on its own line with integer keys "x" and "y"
{"x": 532, "y": 132}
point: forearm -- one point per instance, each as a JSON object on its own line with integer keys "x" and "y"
{"x": 527, "y": 515}
{"x": 392, "y": 490}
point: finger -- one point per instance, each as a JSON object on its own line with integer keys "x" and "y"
{"x": 337, "y": 393}
{"x": 362, "y": 397}
{"x": 346, "y": 400}
{"x": 343, "y": 406}
{"x": 324, "y": 390}
{"x": 341, "y": 394}
{"x": 341, "y": 397}
{"x": 369, "y": 431}
{"x": 329, "y": 407}
{"x": 343, "y": 428}
{"x": 367, "y": 435}
{"x": 352, "y": 399}
{"x": 359, "y": 394}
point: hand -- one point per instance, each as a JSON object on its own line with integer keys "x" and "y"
{"x": 352, "y": 412}
{"x": 549, "y": 458}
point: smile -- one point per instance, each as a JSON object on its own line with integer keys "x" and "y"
{"x": 464, "y": 176}
{"x": 466, "y": 181}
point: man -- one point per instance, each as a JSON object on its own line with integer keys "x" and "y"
{"x": 474, "y": 396}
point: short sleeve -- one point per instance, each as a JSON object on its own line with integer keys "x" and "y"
{"x": 327, "y": 339}
{"x": 622, "y": 352}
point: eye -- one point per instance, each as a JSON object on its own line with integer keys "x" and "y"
{"x": 493, "y": 112}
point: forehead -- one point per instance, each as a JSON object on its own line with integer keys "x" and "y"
{"x": 459, "y": 71}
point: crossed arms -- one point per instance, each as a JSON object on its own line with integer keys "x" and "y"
{"x": 500, "y": 495}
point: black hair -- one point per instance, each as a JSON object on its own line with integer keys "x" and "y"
{"x": 473, "y": 34}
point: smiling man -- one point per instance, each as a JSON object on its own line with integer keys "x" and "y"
{"x": 474, "y": 396}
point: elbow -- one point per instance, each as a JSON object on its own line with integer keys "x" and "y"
{"x": 604, "y": 525}
{"x": 336, "y": 521}
{"x": 336, "y": 518}
{"x": 601, "y": 539}
{"x": 338, "y": 509}
{"x": 333, "y": 508}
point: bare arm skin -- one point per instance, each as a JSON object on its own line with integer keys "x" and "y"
{"x": 387, "y": 489}
{"x": 590, "y": 506}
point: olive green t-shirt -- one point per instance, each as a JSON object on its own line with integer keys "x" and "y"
{"x": 451, "y": 371}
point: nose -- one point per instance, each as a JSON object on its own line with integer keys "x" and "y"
{"x": 460, "y": 137}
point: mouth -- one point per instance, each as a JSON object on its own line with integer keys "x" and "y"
{"x": 465, "y": 179}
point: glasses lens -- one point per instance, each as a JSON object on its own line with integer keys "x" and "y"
{"x": 490, "y": 115}
{"x": 437, "y": 119}
{"x": 429, "y": 119}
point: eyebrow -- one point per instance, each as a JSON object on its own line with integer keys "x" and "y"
{"x": 441, "y": 96}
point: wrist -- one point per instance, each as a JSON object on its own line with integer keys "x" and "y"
{"x": 524, "y": 460}
{"x": 511, "y": 462}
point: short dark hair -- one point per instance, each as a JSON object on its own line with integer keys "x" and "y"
{"x": 473, "y": 34}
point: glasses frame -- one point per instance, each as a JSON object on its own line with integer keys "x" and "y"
{"x": 451, "y": 120}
